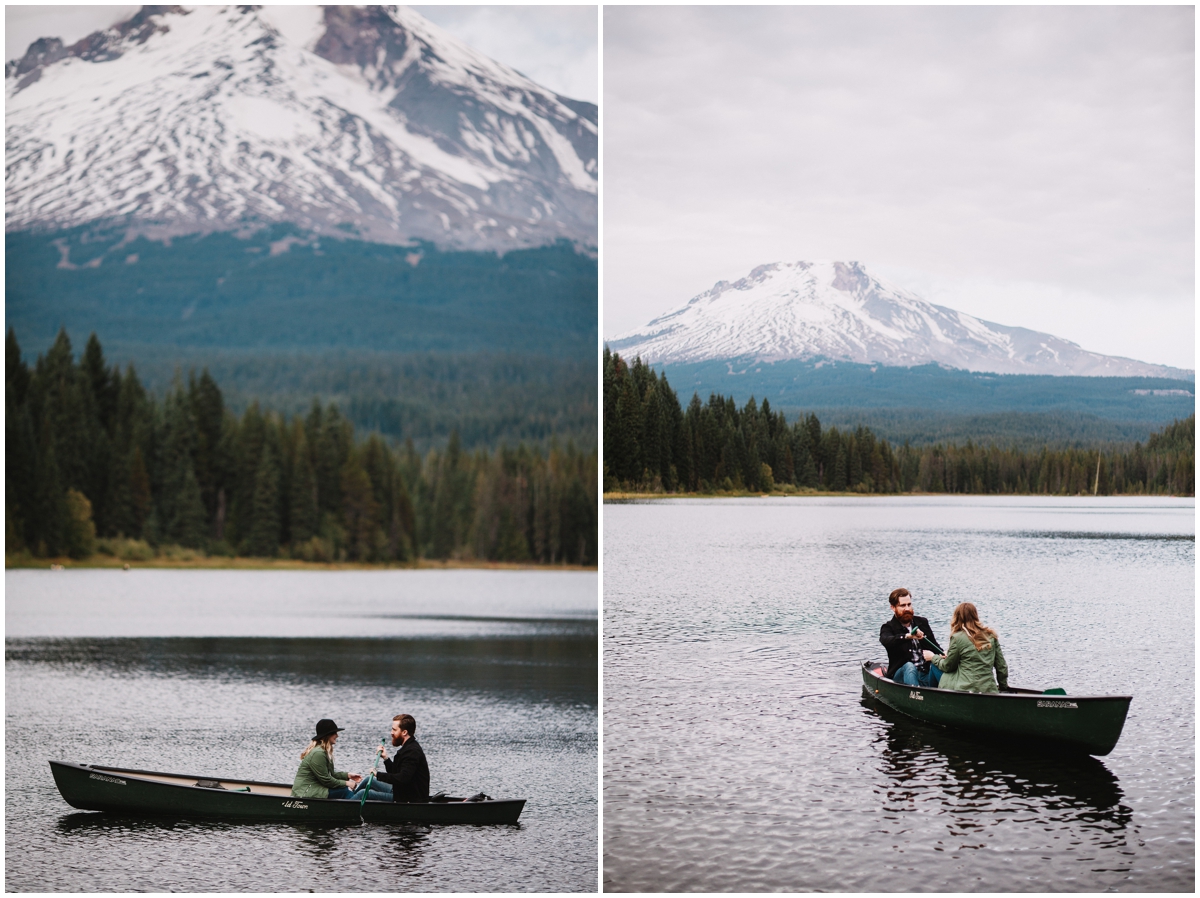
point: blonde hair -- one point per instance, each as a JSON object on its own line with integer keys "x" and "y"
{"x": 966, "y": 619}
{"x": 323, "y": 744}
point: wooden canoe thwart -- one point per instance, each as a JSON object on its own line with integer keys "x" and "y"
{"x": 91, "y": 787}
{"x": 1071, "y": 723}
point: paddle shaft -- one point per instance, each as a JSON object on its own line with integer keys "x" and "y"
{"x": 370, "y": 776}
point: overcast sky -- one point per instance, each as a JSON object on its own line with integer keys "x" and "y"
{"x": 1033, "y": 166}
{"x": 556, "y": 46}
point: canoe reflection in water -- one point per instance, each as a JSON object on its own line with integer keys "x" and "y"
{"x": 982, "y": 787}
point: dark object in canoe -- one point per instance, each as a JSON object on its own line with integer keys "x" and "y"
{"x": 1070, "y": 723}
{"x": 90, "y": 787}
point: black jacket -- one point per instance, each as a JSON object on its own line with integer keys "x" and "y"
{"x": 893, "y": 635}
{"x": 408, "y": 773}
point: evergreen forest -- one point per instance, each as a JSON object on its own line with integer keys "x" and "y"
{"x": 96, "y": 462}
{"x": 652, "y": 444}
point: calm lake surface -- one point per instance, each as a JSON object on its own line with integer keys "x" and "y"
{"x": 225, "y": 673}
{"x": 739, "y": 753}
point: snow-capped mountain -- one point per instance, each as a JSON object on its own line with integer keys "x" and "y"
{"x": 361, "y": 120}
{"x": 838, "y": 311}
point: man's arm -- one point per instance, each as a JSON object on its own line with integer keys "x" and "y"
{"x": 401, "y": 770}
{"x": 889, "y": 637}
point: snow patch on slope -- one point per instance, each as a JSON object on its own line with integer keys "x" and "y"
{"x": 364, "y": 118}
{"x": 839, "y": 311}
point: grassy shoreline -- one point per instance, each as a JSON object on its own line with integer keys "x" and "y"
{"x": 26, "y": 562}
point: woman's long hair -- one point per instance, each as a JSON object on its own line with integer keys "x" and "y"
{"x": 324, "y": 744}
{"x": 966, "y": 618}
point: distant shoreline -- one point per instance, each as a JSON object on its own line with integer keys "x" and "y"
{"x": 16, "y": 562}
{"x": 621, "y": 496}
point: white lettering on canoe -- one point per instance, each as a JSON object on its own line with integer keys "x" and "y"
{"x": 296, "y": 804}
{"x": 107, "y": 779}
{"x": 917, "y": 696}
{"x": 1043, "y": 703}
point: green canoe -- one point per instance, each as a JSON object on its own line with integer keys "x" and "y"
{"x": 90, "y": 787}
{"x": 1073, "y": 723}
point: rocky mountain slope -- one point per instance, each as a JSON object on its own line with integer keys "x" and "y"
{"x": 839, "y": 311}
{"x": 364, "y": 121}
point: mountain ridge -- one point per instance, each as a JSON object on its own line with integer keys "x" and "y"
{"x": 839, "y": 311}
{"x": 364, "y": 121}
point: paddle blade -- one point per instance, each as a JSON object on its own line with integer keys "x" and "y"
{"x": 1055, "y": 691}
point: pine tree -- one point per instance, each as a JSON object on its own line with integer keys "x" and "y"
{"x": 180, "y": 504}
{"x": 302, "y": 499}
{"x": 208, "y": 411}
{"x": 263, "y": 533}
{"x": 189, "y": 526}
{"x": 359, "y": 511}
{"x": 627, "y": 461}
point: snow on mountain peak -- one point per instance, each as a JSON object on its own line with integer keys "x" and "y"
{"x": 840, "y": 311}
{"x": 368, "y": 120}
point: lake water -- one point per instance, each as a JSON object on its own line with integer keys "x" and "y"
{"x": 225, "y": 672}
{"x": 739, "y": 753}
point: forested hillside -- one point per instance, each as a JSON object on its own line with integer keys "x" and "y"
{"x": 652, "y": 444}
{"x": 928, "y": 404}
{"x": 489, "y": 398}
{"x": 92, "y": 456}
{"x": 283, "y": 288}
{"x": 411, "y": 341}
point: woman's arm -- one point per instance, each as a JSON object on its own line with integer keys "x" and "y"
{"x": 321, "y": 773}
{"x": 950, "y": 661}
{"x": 1001, "y": 667}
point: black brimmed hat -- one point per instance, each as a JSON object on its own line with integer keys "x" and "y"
{"x": 326, "y": 727}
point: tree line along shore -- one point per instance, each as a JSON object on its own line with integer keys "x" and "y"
{"x": 97, "y": 464}
{"x": 653, "y": 445}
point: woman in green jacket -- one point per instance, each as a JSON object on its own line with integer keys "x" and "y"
{"x": 317, "y": 777}
{"x": 971, "y": 654}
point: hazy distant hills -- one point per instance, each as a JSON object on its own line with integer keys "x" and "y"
{"x": 929, "y": 403}
{"x": 282, "y": 289}
{"x": 840, "y": 312}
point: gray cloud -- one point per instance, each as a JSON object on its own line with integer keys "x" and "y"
{"x": 1031, "y": 165}
{"x": 556, "y": 46}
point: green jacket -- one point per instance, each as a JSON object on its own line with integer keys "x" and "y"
{"x": 966, "y": 669}
{"x": 314, "y": 778}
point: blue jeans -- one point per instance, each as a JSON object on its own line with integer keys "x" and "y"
{"x": 378, "y": 792}
{"x": 910, "y": 676}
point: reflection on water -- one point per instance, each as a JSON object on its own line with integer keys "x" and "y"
{"x": 563, "y": 667}
{"x": 982, "y": 785}
{"x": 743, "y": 757}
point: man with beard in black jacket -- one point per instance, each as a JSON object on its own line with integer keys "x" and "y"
{"x": 407, "y": 771}
{"x": 904, "y": 637}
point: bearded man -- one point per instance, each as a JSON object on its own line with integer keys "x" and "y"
{"x": 904, "y": 637}
{"x": 407, "y": 771}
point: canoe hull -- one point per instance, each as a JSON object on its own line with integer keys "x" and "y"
{"x": 137, "y": 793}
{"x": 1081, "y": 724}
